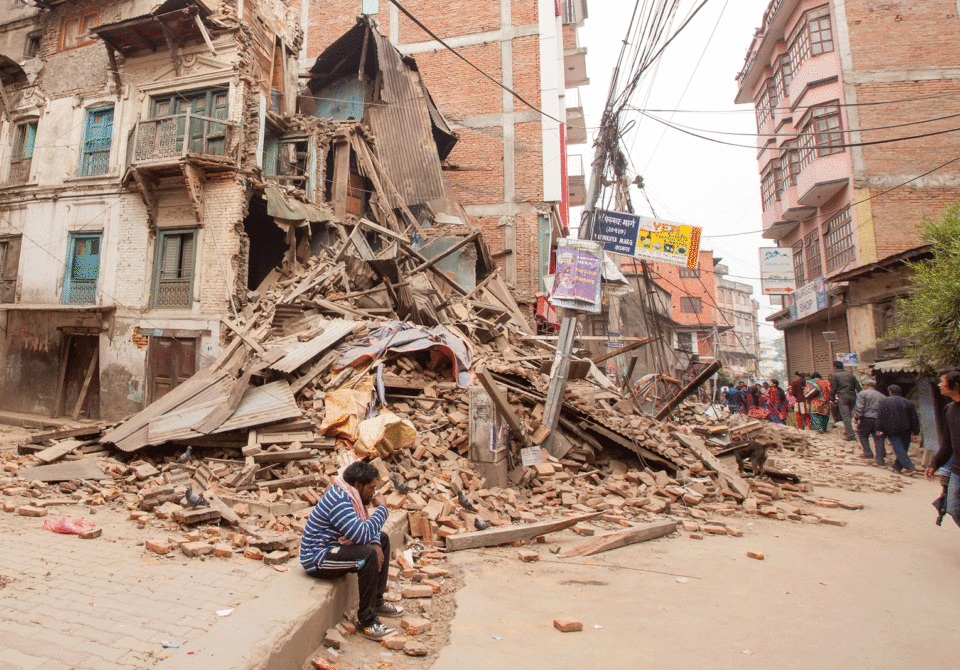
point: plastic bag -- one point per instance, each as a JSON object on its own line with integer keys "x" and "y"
{"x": 343, "y": 410}
{"x": 68, "y": 525}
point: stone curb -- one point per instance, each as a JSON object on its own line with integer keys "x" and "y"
{"x": 281, "y": 627}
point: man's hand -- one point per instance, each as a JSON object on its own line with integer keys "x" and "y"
{"x": 379, "y": 551}
{"x": 378, "y": 500}
{"x": 915, "y": 438}
{"x": 928, "y": 473}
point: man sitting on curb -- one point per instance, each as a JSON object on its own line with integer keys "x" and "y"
{"x": 341, "y": 537}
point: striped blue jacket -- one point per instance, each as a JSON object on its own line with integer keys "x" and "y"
{"x": 332, "y": 518}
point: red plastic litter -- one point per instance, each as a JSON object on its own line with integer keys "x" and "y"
{"x": 68, "y": 525}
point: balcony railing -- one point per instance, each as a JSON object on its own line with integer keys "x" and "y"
{"x": 170, "y": 138}
{"x": 20, "y": 171}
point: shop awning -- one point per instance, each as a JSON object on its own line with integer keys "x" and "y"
{"x": 897, "y": 365}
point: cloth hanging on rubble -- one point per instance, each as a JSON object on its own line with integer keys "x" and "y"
{"x": 281, "y": 206}
{"x": 407, "y": 338}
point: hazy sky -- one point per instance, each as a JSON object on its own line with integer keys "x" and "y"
{"x": 690, "y": 180}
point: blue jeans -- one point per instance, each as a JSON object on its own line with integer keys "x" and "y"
{"x": 953, "y": 497}
{"x": 900, "y": 442}
{"x": 846, "y": 403}
{"x": 865, "y": 429}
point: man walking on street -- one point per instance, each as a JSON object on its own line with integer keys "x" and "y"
{"x": 341, "y": 537}
{"x": 865, "y": 416}
{"x": 844, "y": 387}
{"x": 897, "y": 420}
{"x": 950, "y": 442}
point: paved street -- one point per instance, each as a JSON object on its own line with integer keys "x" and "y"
{"x": 876, "y": 594}
{"x": 107, "y": 603}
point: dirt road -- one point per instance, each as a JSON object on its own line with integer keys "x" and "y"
{"x": 881, "y": 592}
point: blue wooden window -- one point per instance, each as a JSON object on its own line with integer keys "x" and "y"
{"x": 96, "y": 141}
{"x": 173, "y": 269}
{"x": 83, "y": 269}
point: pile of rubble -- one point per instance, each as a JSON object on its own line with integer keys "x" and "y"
{"x": 369, "y": 350}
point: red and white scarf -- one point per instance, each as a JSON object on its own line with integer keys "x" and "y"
{"x": 355, "y": 500}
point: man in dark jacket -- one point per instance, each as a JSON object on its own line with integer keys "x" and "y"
{"x": 897, "y": 420}
{"x": 845, "y": 387}
{"x": 950, "y": 442}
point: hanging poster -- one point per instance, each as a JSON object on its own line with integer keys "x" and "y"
{"x": 576, "y": 284}
{"x": 649, "y": 239}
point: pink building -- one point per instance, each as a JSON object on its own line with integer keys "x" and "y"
{"x": 838, "y": 86}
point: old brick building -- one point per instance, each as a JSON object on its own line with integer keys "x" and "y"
{"x": 739, "y": 346}
{"x": 509, "y": 167}
{"x": 852, "y": 151}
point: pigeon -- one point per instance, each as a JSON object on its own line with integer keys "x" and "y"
{"x": 195, "y": 499}
{"x": 399, "y": 486}
{"x": 465, "y": 502}
{"x": 480, "y": 524}
{"x": 185, "y": 456}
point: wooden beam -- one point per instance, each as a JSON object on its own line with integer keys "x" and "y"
{"x": 148, "y": 193}
{"x": 494, "y": 536}
{"x": 85, "y": 468}
{"x": 203, "y": 31}
{"x": 502, "y": 405}
{"x": 341, "y": 175}
{"x": 57, "y": 451}
{"x": 253, "y": 344}
{"x": 697, "y": 446}
{"x": 86, "y": 383}
{"x": 687, "y": 390}
{"x": 621, "y": 538}
{"x": 630, "y": 347}
{"x": 62, "y": 376}
{"x": 443, "y": 254}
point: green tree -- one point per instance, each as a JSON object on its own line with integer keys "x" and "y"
{"x": 929, "y": 315}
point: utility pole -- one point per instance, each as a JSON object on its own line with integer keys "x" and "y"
{"x": 568, "y": 322}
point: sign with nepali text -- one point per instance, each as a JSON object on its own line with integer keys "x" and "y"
{"x": 648, "y": 239}
{"x": 777, "y": 276}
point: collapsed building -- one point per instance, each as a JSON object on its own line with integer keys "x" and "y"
{"x": 164, "y": 166}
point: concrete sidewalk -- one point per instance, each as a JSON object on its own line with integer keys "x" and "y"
{"x": 108, "y": 603}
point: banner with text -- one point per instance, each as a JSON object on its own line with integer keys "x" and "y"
{"x": 776, "y": 271}
{"x": 576, "y": 284}
{"x": 648, "y": 239}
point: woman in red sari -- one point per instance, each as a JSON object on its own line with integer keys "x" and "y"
{"x": 777, "y": 403}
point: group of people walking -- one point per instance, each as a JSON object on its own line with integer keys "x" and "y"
{"x": 816, "y": 402}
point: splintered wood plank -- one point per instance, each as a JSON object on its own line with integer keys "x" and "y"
{"x": 57, "y": 451}
{"x": 494, "y": 536}
{"x": 493, "y": 390}
{"x": 697, "y": 446}
{"x": 621, "y": 538}
{"x": 86, "y": 468}
{"x": 280, "y": 456}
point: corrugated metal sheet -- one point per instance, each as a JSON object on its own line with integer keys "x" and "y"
{"x": 260, "y": 405}
{"x": 304, "y": 351}
{"x": 402, "y": 125}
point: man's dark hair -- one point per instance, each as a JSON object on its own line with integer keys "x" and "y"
{"x": 774, "y": 382}
{"x": 360, "y": 472}
{"x": 816, "y": 375}
{"x": 893, "y": 389}
{"x": 838, "y": 365}
{"x": 953, "y": 378}
{"x": 799, "y": 374}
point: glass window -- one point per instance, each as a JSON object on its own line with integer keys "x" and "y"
{"x": 798, "y": 263}
{"x": 812, "y": 36}
{"x": 838, "y": 241}
{"x": 688, "y": 273}
{"x": 691, "y": 305}
{"x": 814, "y": 264}
{"x": 21, "y": 158}
{"x": 821, "y": 133}
{"x": 75, "y": 30}
{"x": 9, "y": 267}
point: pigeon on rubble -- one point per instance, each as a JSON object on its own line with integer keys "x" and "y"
{"x": 185, "y": 456}
{"x": 399, "y": 486}
{"x": 195, "y": 499}
{"x": 465, "y": 502}
{"x": 480, "y": 524}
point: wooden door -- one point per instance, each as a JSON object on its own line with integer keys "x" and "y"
{"x": 170, "y": 362}
{"x": 82, "y": 362}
